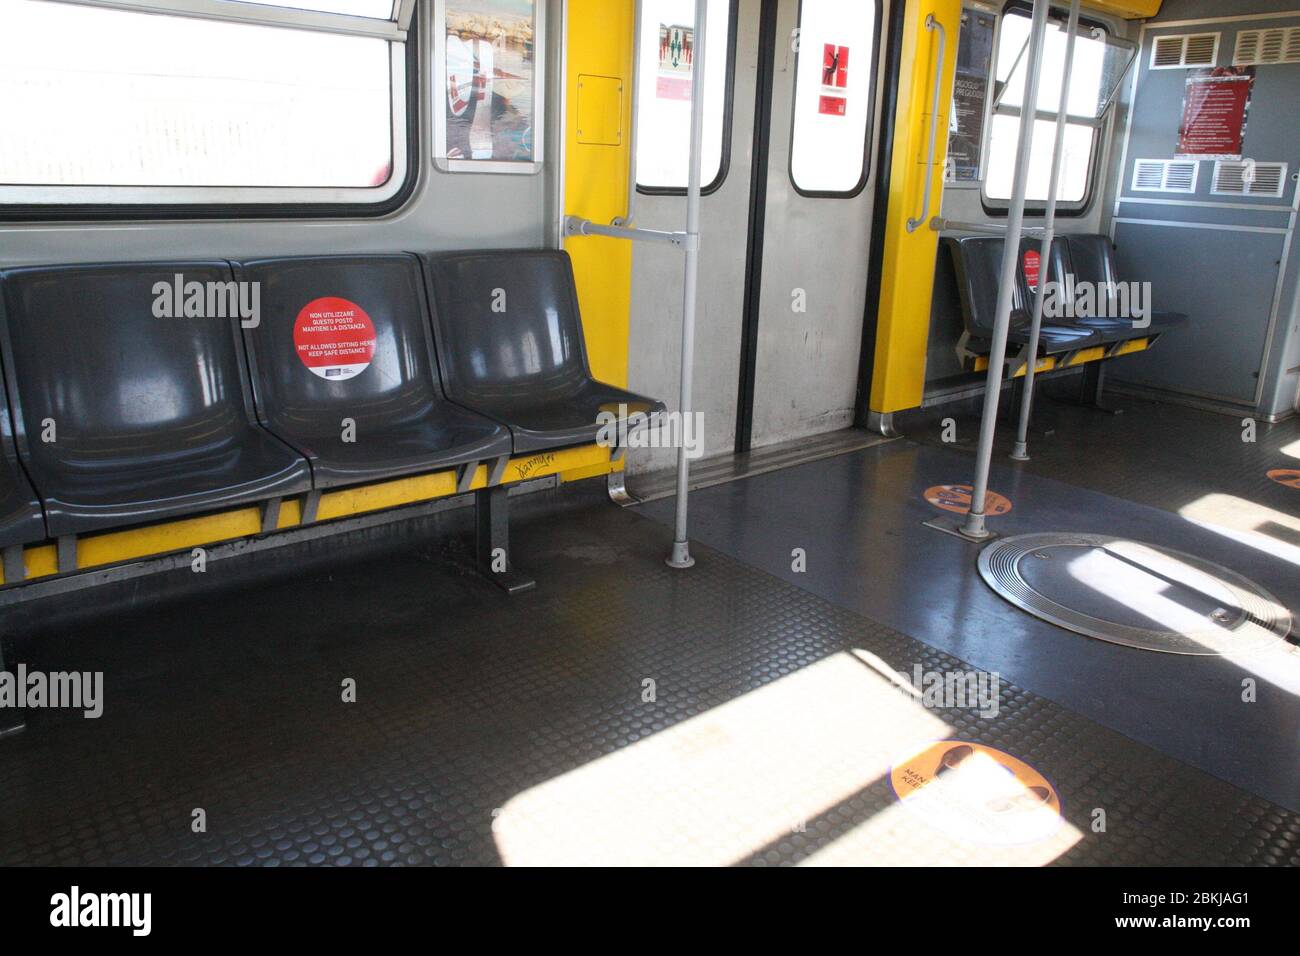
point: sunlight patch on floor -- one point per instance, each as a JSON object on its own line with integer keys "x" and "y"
{"x": 1265, "y": 529}
{"x": 724, "y": 786}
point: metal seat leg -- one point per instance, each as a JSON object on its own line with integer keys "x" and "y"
{"x": 12, "y": 720}
{"x": 492, "y": 540}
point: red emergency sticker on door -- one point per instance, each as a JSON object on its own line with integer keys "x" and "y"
{"x": 835, "y": 81}
{"x": 1033, "y": 268}
{"x": 833, "y": 106}
{"x": 835, "y": 66}
{"x": 334, "y": 338}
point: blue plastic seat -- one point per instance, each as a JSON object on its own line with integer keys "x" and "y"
{"x": 510, "y": 345}
{"x": 977, "y": 261}
{"x": 1092, "y": 259}
{"x": 387, "y": 388}
{"x": 1112, "y": 329}
{"x": 21, "y": 519}
{"x": 124, "y": 416}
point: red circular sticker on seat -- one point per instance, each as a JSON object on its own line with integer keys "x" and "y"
{"x": 1033, "y": 268}
{"x": 334, "y": 338}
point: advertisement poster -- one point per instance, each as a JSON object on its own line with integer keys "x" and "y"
{"x": 490, "y": 80}
{"x": 676, "y": 54}
{"x": 1215, "y": 109}
{"x": 970, "y": 94}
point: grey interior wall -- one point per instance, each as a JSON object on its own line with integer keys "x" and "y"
{"x": 1225, "y": 261}
{"x": 654, "y": 359}
{"x": 446, "y": 211}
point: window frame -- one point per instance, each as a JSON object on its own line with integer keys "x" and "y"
{"x": 728, "y": 96}
{"x": 438, "y": 106}
{"x": 63, "y": 203}
{"x": 873, "y": 92}
{"x": 251, "y": 11}
{"x": 1002, "y": 207}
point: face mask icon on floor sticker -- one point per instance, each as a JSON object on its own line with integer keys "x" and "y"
{"x": 956, "y": 498}
{"x": 977, "y": 794}
{"x": 334, "y": 338}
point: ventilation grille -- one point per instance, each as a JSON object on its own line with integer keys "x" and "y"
{"x": 1165, "y": 175}
{"x": 1184, "y": 50}
{"x": 1249, "y": 179}
{"x": 1262, "y": 47}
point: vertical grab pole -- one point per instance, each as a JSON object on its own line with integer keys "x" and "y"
{"x": 1021, "y": 450}
{"x": 681, "y": 553}
{"x": 630, "y": 216}
{"x": 932, "y": 25}
{"x": 973, "y": 527}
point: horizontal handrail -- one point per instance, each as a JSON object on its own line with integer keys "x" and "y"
{"x": 940, "y": 224}
{"x": 576, "y": 226}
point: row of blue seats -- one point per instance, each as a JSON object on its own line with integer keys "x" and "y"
{"x": 123, "y": 410}
{"x": 977, "y": 261}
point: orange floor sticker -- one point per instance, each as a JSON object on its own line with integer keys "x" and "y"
{"x": 957, "y": 498}
{"x": 977, "y": 794}
{"x": 1286, "y": 476}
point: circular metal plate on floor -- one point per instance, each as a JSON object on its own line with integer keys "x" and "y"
{"x": 1135, "y": 594}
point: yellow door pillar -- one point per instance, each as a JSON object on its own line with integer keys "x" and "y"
{"x": 1130, "y": 9}
{"x": 597, "y": 159}
{"x": 907, "y": 274}
{"x": 599, "y": 51}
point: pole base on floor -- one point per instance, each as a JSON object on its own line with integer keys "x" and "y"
{"x": 681, "y": 556}
{"x": 1020, "y": 452}
{"x": 956, "y": 526}
{"x": 882, "y": 423}
{"x": 512, "y": 581}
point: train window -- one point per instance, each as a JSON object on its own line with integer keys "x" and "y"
{"x": 1099, "y": 64}
{"x": 663, "y": 114}
{"x": 212, "y": 105}
{"x": 834, "y": 89}
{"x": 376, "y": 9}
{"x": 488, "y": 113}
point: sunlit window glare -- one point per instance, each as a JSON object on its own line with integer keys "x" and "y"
{"x": 97, "y": 97}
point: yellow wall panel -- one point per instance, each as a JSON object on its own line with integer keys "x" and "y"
{"x": 599, "y": 54}
{"x": 1131, "y": 9}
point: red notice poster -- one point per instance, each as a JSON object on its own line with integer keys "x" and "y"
{"x": 1214, "y": 114}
